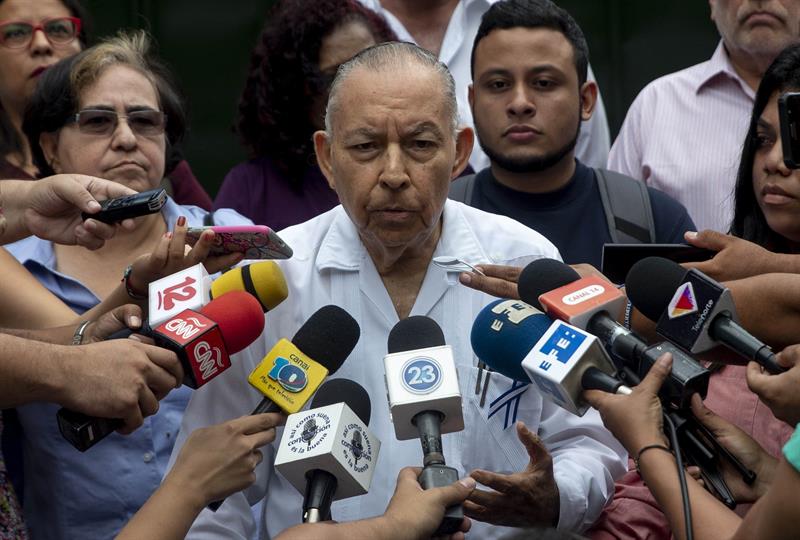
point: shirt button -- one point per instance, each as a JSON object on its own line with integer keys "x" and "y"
{"x": 148, "y": 457}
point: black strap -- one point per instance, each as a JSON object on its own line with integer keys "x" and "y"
{"x": 461, "y": 189}
{"x": 626, "y": 203}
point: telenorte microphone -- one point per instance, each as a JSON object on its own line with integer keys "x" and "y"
{"x": 520, "y": 342}
{"x": 203, "y": 342}
{"x": 584, "y": 302}
{"x": 692, "y": 310}
{"x": 328, "y": 452}
{"x": 423, "y": 391}
{"x": 293, "y": 370}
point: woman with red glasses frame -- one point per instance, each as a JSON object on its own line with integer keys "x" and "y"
{"x": 34, "y": 35}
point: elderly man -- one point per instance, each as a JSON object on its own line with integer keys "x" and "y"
{"x": 390, "y": 149}
{"x": 683, "y": 133}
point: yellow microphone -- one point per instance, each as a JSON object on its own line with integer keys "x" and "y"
{"x": 264, "y": 280}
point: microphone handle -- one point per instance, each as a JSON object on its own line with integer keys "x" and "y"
{"x": 320, "y": 490}
{"x": 736, "y": 338}
{"x": 595, "y": 379}
{"x": 266, "y": 406}
{"x": 83, "y": 431}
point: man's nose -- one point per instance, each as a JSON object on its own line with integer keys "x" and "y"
{"x": 521, "y": 103}
{"x": 394, "y": 174}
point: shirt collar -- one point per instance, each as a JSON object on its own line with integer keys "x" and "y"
{"x": 342, "y": 248}
{"x": 720, "y": 66}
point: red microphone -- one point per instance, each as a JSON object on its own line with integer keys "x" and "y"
{"x": 203, "y": 341}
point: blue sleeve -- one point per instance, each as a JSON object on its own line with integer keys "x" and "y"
{"x": 670, "y": 217}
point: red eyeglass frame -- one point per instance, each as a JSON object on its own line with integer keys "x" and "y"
{"x": 76, "y": 21}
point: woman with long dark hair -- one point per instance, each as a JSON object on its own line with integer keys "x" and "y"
{"x": 283, "y": 103}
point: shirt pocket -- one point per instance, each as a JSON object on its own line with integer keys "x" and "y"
{"x": 489, "y": 440}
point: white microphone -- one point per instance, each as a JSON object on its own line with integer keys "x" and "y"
{"x": 327, "y": 452}
{"x": 425, "y": 400}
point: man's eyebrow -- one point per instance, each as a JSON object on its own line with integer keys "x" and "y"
{"x": 361, "y": 132}
{"x": 425, "y": 127}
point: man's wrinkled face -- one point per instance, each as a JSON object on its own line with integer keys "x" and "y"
{"x": 755, "y": 26}
{"x": 392, "y": 152}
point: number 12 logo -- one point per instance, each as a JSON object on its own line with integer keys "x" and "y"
{"x": 422, "y": 375}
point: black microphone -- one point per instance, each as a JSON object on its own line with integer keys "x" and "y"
{"x": 322, "y": 484}
{"x": 422, "y": 386}
{"x": 583, "y": 302}
{"x": 692, "y": 310}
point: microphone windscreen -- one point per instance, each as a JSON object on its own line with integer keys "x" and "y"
{"x": 264, "y": 280}
{"x": 417, "y": 332}
{"x": 502, "y": 339}
{"x": 541, "y": 276}
{"x": 347, "y": 391}
{"x": 328, "y": 337}
{"x": 651, "y": 283}
{"x": 239, "y": 317}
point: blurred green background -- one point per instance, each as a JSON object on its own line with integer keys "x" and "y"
{"x": 208, "y": 44}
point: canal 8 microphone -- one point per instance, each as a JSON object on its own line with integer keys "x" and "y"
{"x": 585, "y": 303}
{"x": 203, "y": 341}
{"x": 519, "y": 341}
{"x": 292, "y": 371}
{"x": 692, "y": 310}
{"x": 192, "y": 288}
{"x": 425, "y": 400}
{"x": 328, "y": 452}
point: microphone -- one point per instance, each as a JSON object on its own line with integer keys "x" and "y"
{"x": 692, "y": 310}
{"x": 292, "y": 371}
{"x": 203, "y": 341}
{"x": 520, "y": 342}
{"x": 327, "y": 452}
{"x": 586, "y": 302}
{"x": 425, "y": 400}
{"x": 192, "y": 288}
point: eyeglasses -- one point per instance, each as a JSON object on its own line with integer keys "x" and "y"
{"x": 59, "y": 31}
{"x": 146, "y": 123}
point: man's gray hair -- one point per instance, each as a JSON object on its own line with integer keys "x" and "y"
{"x": 393, "y": 54}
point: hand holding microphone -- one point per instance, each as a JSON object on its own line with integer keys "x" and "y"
{"x": 781, "y": 392}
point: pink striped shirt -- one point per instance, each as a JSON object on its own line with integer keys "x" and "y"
{"x": 683, "y": 134}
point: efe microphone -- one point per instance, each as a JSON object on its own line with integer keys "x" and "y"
{"x": 327, "y": 452}
{"x": 425, "y": 400}
{"x": 585, "y": 303}
{"x": 520, "y": 342}
{"x": 203, "y": 342}
{"x": 692, "y": 310}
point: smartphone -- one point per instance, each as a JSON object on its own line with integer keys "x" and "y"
{"x": 789, "y": 116}
{"x": 618, "y": 258}
{"x": 255, "y": 241}
{"x": 130, "y": 206}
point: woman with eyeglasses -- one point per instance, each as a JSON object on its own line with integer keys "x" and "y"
{"x": 34, "y": 35}
{"x": 283, "y": 103}
{"x": 112, "y": 112}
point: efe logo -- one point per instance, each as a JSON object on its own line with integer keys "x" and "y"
{"x": 683, "y": 302}
{"x": 290, "y": 376}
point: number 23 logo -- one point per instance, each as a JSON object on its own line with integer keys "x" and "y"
{"x": 421, "y": 375}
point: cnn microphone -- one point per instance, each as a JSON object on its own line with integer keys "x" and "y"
{"x": 692, "y": 310}
{"x": 520, "y": 342}
{"x": 192, "y": 288}
{"x": 292, "y": 371}
{"x": 203, "y": 341}
{"x": 425, "y": 400}
{"x": 328, "y": 452}
{"x": 588, "y": 303}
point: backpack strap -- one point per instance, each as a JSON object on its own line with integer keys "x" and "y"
{"x": 461, "y": 189}
{"x": 626, "y": 203}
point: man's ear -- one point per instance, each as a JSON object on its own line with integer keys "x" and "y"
{"x": 471, "y": 99}
{"x": 588, "y": 99}
{"x": 713, "y": 5}
{"x": 465, "y": 138}
{"x": 322, "y": 148}
{"x": 49, "y": 144}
